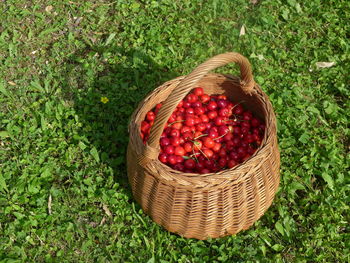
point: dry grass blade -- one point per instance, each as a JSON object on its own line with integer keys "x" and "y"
{"x": 49, "y": 204}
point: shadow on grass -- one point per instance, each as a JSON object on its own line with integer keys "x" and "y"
{"x": 125, "y": 84}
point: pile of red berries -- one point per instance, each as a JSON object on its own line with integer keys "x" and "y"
{"x": 206, "y": 133}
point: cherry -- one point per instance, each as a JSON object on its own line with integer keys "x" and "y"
{"x": 190, "y": 164}
{"x": 205, "y": 98}
{"x": 212, "y": 114}
{"x": 208, "y": 142}
{"x": 169, "y": 149}
{"x": 199, "y": 110}
{"x": 231, "y": 163}
{"x": 208, "y": 153}
{"x": 238, "y": 109}
{"x": 188, "y": 146}
{"x": 200, "y": 127}
{"x": 172, "y": 159}
{"x": 179, "y": 166}
{"x": 163, "y": 157}
{"x": 145, "y": 126}
{"x": 174, "y": 133}
{"x": 191, "y": 98}
{"x": 179, "y": 150}
{"x": 164, "y": 142}
{"x": 212, "y": 105}
{"x": 190, "y": 111}
{"x": 189, "y": 121}
{"x": 196, "y": 104}
{"x": 198, "y": 91}
{"x": 204, "y": 118}
{"x": 224, "y": 112}
{"x": 255, "y": 122}
{"x": 150, "y": 116}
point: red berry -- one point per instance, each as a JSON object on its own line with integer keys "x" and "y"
{"x": 145, "y": 126}
{"x": 204, "y": 171}
{"x": 204, "y": 98}
{"x": 216, "y": 147}
{"x": 238, "y": 109}
{"x": 190, "y": 164}
{"x": 174, "y": 133}
{"x": 179, "y": 150}
{"x": 179, "y": 159}
{"x": 231, "y": 163}
{"x": 198, "y": 91}
{"x": 164, "y": 142}
{"x": 204, "y": 118}
{"x": 222, "y": 162}
{"x": 200, "y": 127}
{"x": 255, "y": 122}
{"x": 219, "y": 120}
{"x": 191, "y": 98}
{"x": 222, "y": 103}
{"x": 188, "y": 146}
{"x": 189, "y": 121}
{"x": 169, "y": 149}
{"x": 212, "y": 114}
{"x": 224, "y": 112}
{"x": 163, "y": 157}
{"x": 247, "y": 115}
{"x": 175, "y": 141}
{"x": 196, "y": 104}
{"x": 212, "y": 105}
{"x": 172, "y": 159}
{"x": 199, "y": 110}
{"x": 150, "y": 116}
{"x": 179, "y": 167}
{"x": 223, "y": 129}
{"x": 208, "y": 142}
{"x": 208, "y": 153}
{"x": 190, "y": 111}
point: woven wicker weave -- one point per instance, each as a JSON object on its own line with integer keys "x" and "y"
{"x": 204, "y": 205}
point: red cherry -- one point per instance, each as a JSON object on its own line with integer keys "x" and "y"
{"x": 199, "y": 110}
{"x": 238, "y": 109}
{"x": 188, "y": 146}
{"x": 212, "y": 105}
{"x": 204, "y": 118}
{"x": 163, "y": 157}
{"x": 222, "y": 103}
{"x": 241, "y": 151}
{"x": 191, "y": 98}
{"x": 179, "y": 159}
{"x": 179, "y": 150}
{"x": 181, "y": 103}
{"x": 196, "y": 104}
{"x": 236, "y": 130}
{"x": 190, "y": 164}
{"x": 224, "y": 112}
{"x": 190, "y": 111}
{"x": 216, "y": 147}
{"x": 177, "y": 125}
{"x": 222, "y": 162}
{"x": 200, "y": 127}
{"x": 199, "y": 166}
{"x": 179, "y": 167}
{"x": 174, "y": 133}
{"x": 175, "y": 141}
{"x": 189, "y": 121}
{"x": 150, "y": 116}
{"x": 186, "y": 104}
{"x": 255, "y": 122}
{"x": 145, "y": 126}
{"x": 169, "y": 149}
{"x": 231, "y": 163}
{"x": 223, "y": 129}
{"x": 212, "y": 114}
{"x": 204, "y": 171}
{"x": 247, "y": 115}
{"x": 197, "y": 134}
{"x": 172, "y": 159}
{"x": 234, "y": 155}
{"x": 228, "y": 137}
{"x": 222, "y": 97}
{"x": 198, "y": 91}
{"x": 197, "y": 145}
{"x": 204, "y": 98}
{"x": 222, "y": 152}
{"x": 208, "y": 142}
{"x": 236, "y": 142}
{"x": 208, "y": 164}
{"x": 164, "y": 142}
{"x": 208, "y": 153}
{"x": 219, "y": 120}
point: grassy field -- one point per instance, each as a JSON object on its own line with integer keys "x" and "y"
{"x": 64, "y": 195}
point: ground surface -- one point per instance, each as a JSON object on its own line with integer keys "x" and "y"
{"x": 60, "y": 147}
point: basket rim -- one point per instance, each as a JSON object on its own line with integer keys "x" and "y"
{"x": 236, "y": 173}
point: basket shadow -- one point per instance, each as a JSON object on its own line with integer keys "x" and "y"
{"x": 105, "y": 125}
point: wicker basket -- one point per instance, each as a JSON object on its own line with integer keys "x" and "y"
{"x": 204, "y": 205}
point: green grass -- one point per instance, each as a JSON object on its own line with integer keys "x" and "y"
{"x": 57, "y": 139}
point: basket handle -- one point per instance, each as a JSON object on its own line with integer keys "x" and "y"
{"x": 185, "y": 86}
